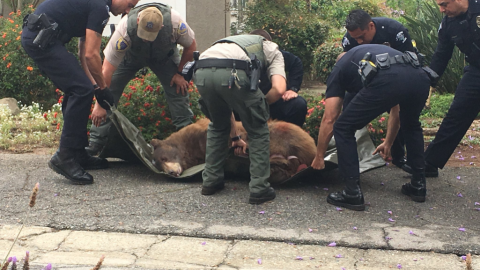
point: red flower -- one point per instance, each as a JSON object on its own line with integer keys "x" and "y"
{"x": 146, "y": 105}
{"x": 163, "y": 113}
{"x": 45, "y": 115}
{"x": 58, "y": 127}
{"x": 126, "y": 104}
{"x": 55, "y": 115}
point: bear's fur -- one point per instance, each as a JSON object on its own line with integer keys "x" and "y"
{"x": 291, "y": 149}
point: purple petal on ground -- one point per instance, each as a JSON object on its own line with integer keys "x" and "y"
{"x": 386, "y": 163}
{"x": 471, "y": 138}
{"x": 204, "y": 243}
{"x": 48, "y": 267}
{"x": 259, "y": 261}
{"x": 204, "y": 204}
{"x": 261, "y": 212}
{"x": 382, "y": 183}
{"x": 471, "y": 163}
{"x": 478, "y": 209}
{"x": 343, "y": 268}
{"x": 462, "y": 158}
{"x": 477, "y": 203}
{"x": 9, "y": 259}
{"x": 399, "y": 266}
{"x": 460, "y": 195}
{"x": 332, "y": 244}
{"x": 391, "y": 219}
{"x": 431, "y": 208}
{"x": 310, "y": 230}
{"x": 338, "y": 209}
{"x": 470, "y": 146}
{"x": 458, "y": 177}
{"x": 461, "y": 229}
{"x": 410, "y": 232}
{"x": 55, "y": 194}
{"x": 355, "y": 228}
{"x": 459, "y": 152}
{"x": 473, "y": 157}
{"x": 417, "y": 216}
{"x": 390, "y": 212}
{"x": 414, "y": 260}
{"x": 339, "y": 256}
{"x": 299, "y": 258}
{"x": 464, "y": 258}
{"x": 291, "y": 244}
{"x": 14, "y": 259}
{"x": 325, "y": 188}
{"x": 311, "y": 258}
{"x": 388, "y": 238}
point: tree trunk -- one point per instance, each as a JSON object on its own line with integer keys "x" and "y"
{"x": 1, "y": 8}
{"x": 308, "y": 2}
{"x": 19, "y": 5}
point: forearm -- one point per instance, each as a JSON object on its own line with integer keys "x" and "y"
{"x": 324, "y": 136}
{"x": 83, "y": 60}
{"x": 107, "y": 70}
{"x": 393, "y": 125}
{"x": 187, "y": 55}
{"x": 94, "y": 64}
{"x": 279, "y": 86}
{"x": 233, "y": 131}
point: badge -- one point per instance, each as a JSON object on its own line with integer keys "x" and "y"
{"x": 182, "y": 29}
{"x": 121, "y": 44}
{"x": 401, "y": 37}
{"x": 345, "y": 42}
{"x": 149, "y": 25}
{"x": 478, "y": 21}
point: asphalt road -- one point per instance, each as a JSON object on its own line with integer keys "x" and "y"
{"x": 130, "y": 198}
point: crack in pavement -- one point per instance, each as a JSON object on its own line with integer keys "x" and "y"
{"x": 230, "y": 247}
{"x": 385, "y": 238}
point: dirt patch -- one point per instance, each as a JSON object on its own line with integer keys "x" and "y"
{"x": 465, "y": 156}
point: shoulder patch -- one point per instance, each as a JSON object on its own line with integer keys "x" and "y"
{"x": 345, "y": 42}
{"x": 401, "y": 37}
{"x": 121, "y": 44}
{"x": 182, "y": 28}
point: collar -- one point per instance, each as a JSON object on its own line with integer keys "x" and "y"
{"x": 109, "y": 3}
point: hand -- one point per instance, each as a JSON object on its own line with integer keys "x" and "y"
{"x": 181, "y": 83}
{"x": 240, "y": 147}
{"x": 384, "y": 151}
{"x": 103, "y": 96}
{"x": 289, "y": 94}
{"x": 99, "y": 115}
{"x": 318, "y": 163}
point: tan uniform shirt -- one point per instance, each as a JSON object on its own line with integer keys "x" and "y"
{"x": 120, "y": 41}
{"x": 274, "y": 57}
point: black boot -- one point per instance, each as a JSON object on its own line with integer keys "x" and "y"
{"x": 265, "y": 196}
{"x": 63, "y": 162}
{"x": 213, "y": 189}
{"x": 350, "y": 198}
{"x": 88, "y": 162}
{"x": 430, "y": 170}
{"x": 417, "y": 188}
{"x": 399, "y": 162}
{"x": 94, "y": 149}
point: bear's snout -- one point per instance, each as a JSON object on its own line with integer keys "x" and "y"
{"x": 172, "y": 168}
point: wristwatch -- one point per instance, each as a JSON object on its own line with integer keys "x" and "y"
{"x": 236, "y": 138}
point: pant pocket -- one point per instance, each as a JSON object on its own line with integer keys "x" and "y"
{"x": 258, "y": 109}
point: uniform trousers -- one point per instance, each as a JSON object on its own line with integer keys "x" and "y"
{"x": 463, "y": 110}
{"x": 63, "y": 68}
{"x": 400, "y": 84}
{"x": 219, "y": 100}
{"x": 164, "y": 69}
{"x": 398, "y": 146}
{"x": 293, "y": 111}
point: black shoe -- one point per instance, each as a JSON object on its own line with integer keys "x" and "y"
{"x": 212, "y": 189}
{"x": 265, "y": 196}
{"x": 352, "y": 202}
{"x": 70, "y": 169}
{"x": 416, "y": 189}
{"x": 399, "y": 162}
{"x": 90, "y": 163}
{"x": 93, "y": 149}
{"x": 430, "y": 171}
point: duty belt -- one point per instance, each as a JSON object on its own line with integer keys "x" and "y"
{"x": 48, "y": 30}
{"x": 224, "y": 63}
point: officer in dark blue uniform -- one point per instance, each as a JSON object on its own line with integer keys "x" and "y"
{"x": 460, "y": 27}
{"x": 363, "y": 29}
{"x": 44, "y": 34}
{"x": 388, "y": 78}
{"x": 291, "y": 107}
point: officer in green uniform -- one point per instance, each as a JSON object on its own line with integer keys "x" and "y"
{"x": 147, "y": 37}
{"x": 227, "y": 78}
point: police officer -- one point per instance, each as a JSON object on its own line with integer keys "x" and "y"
{"x": 363, "y": 29}
{"x": 397, "y": 80}
{"x": 44, "y": 34}
{"x": 147, "y": 37}
{"x": 291, "y": 107}
{"x": 226, "y": 78}
{"x": 460, "y": 27}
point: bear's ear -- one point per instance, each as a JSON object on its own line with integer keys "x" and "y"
{"x": 155, "y": 143}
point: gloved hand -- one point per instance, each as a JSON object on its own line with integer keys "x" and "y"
{"x": 103, "y": 96}
{"x": 432, "y": 75}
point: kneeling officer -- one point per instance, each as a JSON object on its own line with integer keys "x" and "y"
{"x": 387, "y": 78}
{"x": 227, "y": 78}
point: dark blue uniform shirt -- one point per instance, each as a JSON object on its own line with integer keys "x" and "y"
{"x": 294, "y": 70}
{"x": 344, "y": 76}
{"x": 387, "y": 30}
{"x": 463, "y": 31}
{"x": 75, "y": 16}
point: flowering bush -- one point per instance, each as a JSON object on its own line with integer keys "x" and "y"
{"x": 378, "y": 128}
{"x": 143, "y": 102}
{"x": 324, "y": 58}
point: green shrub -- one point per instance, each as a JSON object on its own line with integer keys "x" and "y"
{"x": 439, "y": 105}
{"x": 291, "y": 27}
{"x": 324, "y": 58}
{"x": 336, "y": 12}
{"x": 423, "y": 29}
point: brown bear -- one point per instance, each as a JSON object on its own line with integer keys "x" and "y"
{"x": 291, "y": 149}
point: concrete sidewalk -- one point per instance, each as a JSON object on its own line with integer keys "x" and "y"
{"x": 140, "y": 219}
{"x": 68, "y": 249}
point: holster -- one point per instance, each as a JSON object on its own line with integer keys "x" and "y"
{"x": 47, "y": 30}
{"x": 188, "y": 70}
{"x": 432, "y": 75}
{"x": 256, "y": 72}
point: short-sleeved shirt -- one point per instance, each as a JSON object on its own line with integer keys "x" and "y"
{"x": 274, "y": 58}
{"x": 181, "y": 34}
{"x": 75, "y": 16}
{"x": 344, "y": 76}
{"x": 387, "y": 30}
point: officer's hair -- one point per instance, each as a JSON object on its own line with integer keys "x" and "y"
{"x": 262, "y": 33}
{"x": 357, "y": 19}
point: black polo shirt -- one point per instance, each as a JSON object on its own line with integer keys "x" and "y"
{"x": 344, "y": 76}
{"x": 75, "y": 16}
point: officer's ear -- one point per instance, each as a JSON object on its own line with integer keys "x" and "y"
{"x": 371, "y": 26}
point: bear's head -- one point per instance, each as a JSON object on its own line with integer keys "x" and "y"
{"x": 167, "y": 157}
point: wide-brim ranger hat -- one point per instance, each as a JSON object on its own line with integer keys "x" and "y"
{"x": 150, "y": 21}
